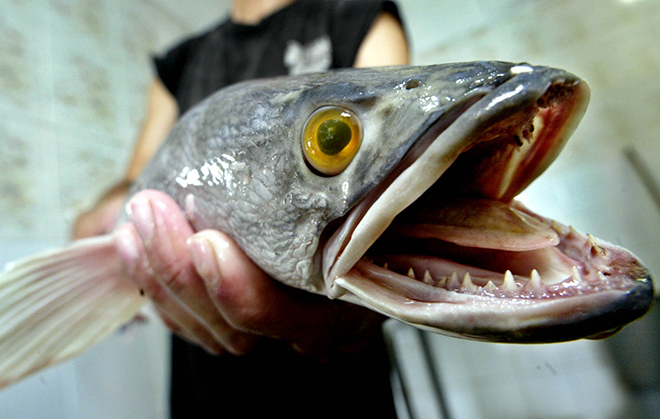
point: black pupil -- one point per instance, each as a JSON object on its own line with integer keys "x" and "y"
{"x": 333, "y": 136}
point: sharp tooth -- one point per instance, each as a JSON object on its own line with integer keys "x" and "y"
{"x": 517, "y": 139}
{"x": 443, "y": 282}
{"x": 509, "y": 283}
{"x": 453, "y": 283}
{"x": 576, "y": 275}
{"x": 385, "y": 265}
{"x": 557, "y": 227}
{"x": 411, "y": 273}
{"x": 535, "y": 281}
{"x": 595, "y": 249}
{"x": 490, "y": 287}
{"x": 591, "y": 240}
{"x": 467, "y": 282}
{"x": 427, "y": 277}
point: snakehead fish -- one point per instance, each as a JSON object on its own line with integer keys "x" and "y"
{"x": 392, "y": 188}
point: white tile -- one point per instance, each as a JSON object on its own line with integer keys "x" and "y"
{"x": 431, "y": 23}
{"x": 29, "y": 202}
{"x": 650, "y": 156}
{"x": 462, "y": 400}
{"x": 47, "y": 394}
{"x": 414, "y": 373}
{"x": 519, "y": 381}
{"x": 450, "y": 357}
{"x": 85, "y": 79}
{"x": 598, "y": 393}
{"x": 125, "y": 376}
{"x": 25, "y": 65}
{"x": 88, "y": 163}
{"x": 196, "y": 15}
{"x": 158, "y": 28}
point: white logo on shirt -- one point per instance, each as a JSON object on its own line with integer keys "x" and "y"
{"x": 314, "y": 57}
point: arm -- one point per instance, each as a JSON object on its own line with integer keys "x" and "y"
{"x": 162, "y": 111}
{"x": 385, "y": 44}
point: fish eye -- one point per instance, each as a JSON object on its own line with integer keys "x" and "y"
{"x": 331, "y": 138}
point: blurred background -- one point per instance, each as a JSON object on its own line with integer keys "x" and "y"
{"x": 73, "y": 81}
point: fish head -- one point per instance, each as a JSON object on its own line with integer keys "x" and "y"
{"x": 394, "y": 188}
{"x": 269, "y": 184}
{"x": 385, "y": 113}
{"x": 421, "y": 224}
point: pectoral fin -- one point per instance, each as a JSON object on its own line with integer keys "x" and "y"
{"x": 56, "y": 304}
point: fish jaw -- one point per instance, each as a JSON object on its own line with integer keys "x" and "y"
{"x": 585, "y": 288}
{"x": 492, "y": 151}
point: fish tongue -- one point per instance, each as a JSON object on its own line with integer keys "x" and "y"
{"x": 475, "y": 222}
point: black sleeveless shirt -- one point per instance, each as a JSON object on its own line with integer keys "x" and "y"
{"x": 305, "y": 36}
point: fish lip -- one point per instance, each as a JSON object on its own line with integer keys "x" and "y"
{"x": 512, "y": 317}
{"x": 513, "y": 321}
{"x": 538, "y": 321}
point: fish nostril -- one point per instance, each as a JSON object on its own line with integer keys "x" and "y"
{"x": 411, "y": 84}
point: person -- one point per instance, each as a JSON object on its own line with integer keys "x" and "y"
{"x": 301, "y": 354}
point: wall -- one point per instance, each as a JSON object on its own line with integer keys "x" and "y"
{"x": 73, "y": 79}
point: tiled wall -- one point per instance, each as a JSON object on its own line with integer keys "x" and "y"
{"x": 73, "y": 79}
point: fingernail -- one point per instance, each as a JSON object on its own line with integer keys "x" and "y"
{"x": 204, "y": 258}
{"x": 142, "y": 216}
{"x": 127, "y": 248}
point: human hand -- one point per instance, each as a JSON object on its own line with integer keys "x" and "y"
{"x": 208, "y": 291}
{"x": 101, "y": 219}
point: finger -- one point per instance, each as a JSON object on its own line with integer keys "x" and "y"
{"x": 252, "y": 301}
{"x": 179, "y": 320}
{"x": 162, "y": 225}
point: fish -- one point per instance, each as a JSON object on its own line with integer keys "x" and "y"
{"x": 393, "y": 188}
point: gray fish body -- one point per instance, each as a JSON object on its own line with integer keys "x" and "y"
{"x": 392, "y": 188}
{"x": 439, "y": 140}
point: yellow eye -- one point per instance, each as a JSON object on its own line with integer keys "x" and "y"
{"x": 331, "y": 138}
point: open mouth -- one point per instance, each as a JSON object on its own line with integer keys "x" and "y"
{"x": 442, "y": 243}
